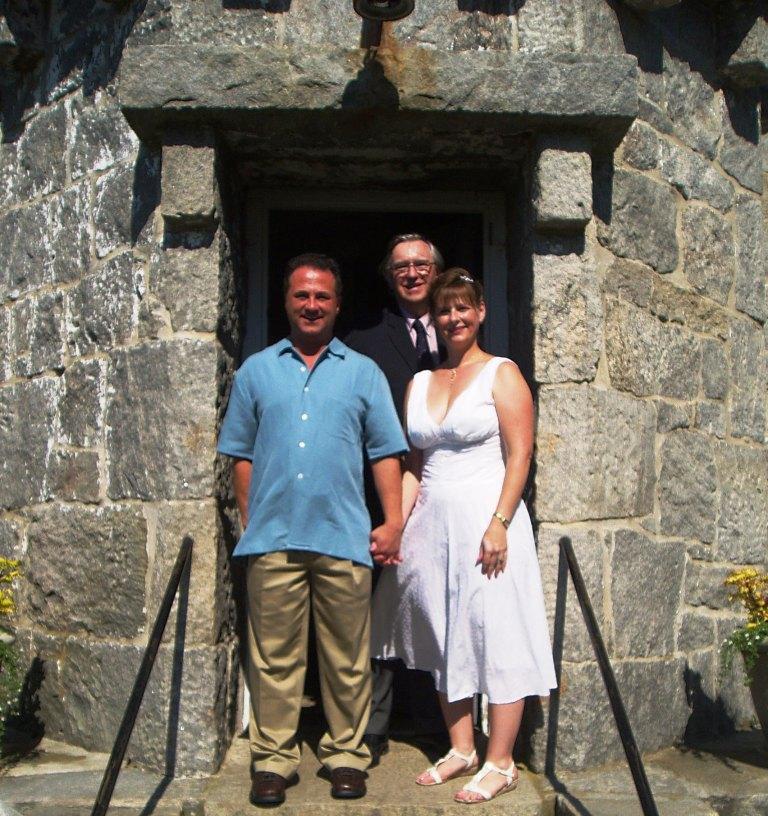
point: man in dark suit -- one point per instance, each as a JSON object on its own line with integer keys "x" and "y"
{"x": 403, "y": 342}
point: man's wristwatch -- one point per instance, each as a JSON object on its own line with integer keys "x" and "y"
{"x": 502, "y": 518}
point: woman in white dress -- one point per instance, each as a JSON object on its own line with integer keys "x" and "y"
{"x": 466, "y": 601}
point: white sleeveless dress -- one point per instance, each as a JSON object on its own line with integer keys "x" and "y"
{"x": 436, "y": 611}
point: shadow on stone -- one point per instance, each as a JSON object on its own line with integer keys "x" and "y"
{"x": 270, "y": 6}
{"x": 709, "y": 718}
{"x": 25, "y": 729}
{"x": 370, "y": 88}
{"x": 145, "y": 192}
{"x": 493, "y": 7}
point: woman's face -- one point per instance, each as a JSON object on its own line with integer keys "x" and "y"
{"x": 459, "y": 321}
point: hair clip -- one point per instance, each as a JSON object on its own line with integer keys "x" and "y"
{"x": 466, "y": 278}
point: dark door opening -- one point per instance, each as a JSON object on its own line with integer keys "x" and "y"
{"x": 358, "y": 240}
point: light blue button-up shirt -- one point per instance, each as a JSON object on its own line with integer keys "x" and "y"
{"x": 304, "y": 432}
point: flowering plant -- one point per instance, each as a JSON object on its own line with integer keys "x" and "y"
{"x": 750, "y": 586}
{"x": 10, "y": 674}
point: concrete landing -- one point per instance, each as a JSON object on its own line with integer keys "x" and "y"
{"x": 727, "y": 778}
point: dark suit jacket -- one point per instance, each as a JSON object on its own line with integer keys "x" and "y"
{"x": 389, "y": 345}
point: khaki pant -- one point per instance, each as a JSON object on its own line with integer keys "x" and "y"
{"x": 280, "y": 588}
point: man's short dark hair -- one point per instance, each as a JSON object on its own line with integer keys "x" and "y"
{"x": 317, "y": 261}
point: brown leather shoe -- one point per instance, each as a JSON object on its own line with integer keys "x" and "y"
{"x": 347, "y": 783}
{"x": 267, "y": 788}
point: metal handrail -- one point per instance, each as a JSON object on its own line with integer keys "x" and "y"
{"x": 115, "y": 762}
{"x": 631, "y": 750}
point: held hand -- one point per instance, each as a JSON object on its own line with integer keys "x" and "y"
{"x": 493, "y": 550}
{"x": 385, "y": 545}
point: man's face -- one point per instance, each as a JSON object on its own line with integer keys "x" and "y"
{"x": 311, "y": 303}
{"x": 411, "y": 271}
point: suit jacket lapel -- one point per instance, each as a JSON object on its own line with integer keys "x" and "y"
{"x": 398, "y": 335}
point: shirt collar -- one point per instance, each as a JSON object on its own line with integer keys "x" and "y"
{"x": 335, "y": 347}
{"x": 426, "y": 319}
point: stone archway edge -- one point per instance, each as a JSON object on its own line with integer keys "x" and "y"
{"x": 158, "y": 84}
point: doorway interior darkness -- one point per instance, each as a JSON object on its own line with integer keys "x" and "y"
{"x": 356, "y": 235}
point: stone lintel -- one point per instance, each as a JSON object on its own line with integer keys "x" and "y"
{"x": 233, "y": 86}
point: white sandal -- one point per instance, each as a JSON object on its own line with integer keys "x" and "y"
{"x": 473, "y": 786}
{"x": 468, "y": 760}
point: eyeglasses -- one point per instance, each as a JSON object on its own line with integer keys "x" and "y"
{"x": 420, "y": 267}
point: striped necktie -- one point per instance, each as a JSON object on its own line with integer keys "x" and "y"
{"x": 423, "y": 353}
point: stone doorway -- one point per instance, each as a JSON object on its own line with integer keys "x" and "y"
{"x": 354, "y": 228}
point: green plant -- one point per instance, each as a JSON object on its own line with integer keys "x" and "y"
{"x": 750, "y": 586}
{"x": 10, "y": 669}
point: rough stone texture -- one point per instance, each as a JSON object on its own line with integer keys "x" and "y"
{"x": 751, "y": 258}
{"x": 594, "y": 455}
{"x": 692, "y": 106}
{"x": 472, "y": 26}
{"x": 547, "y": 25}
{"x": 558, "y": 589}
{"x": 704, "y": 585}
{"x": 100, "y": 138}
{"x": 641, "y": 147}
{"x": 67, "y": 547}
{"x": 714, "y": 369}
{"x": 687, "y": 486}
{"x": 156, "y": 452}
{"x": 670, "y": 416}
{"x": 80, "y": 407}
{"x": 732, "y": 691}
{"x": 69, "y": 249}
{"x": 40, "y": 153}
{"x": 103, "y": 307}
{"x": 710, "y": 418}
{"x": 630, "y": 281}
{"x": 528, "y": 85}
{"x": 47, "y": 242}
{"x": 748, "y": 378}
{"x": 187, "y": 284}
{"x": 695, "y": 177}
{"x": 744, "y": 43}
{"x": 740, "y": 154}
{"x": 567, "y": 318}
{"x": 74, "y": 476}
{"x": 193, "y": 21}
{"x": 654, "y": 695}
{"x": 651, "y": 5}
{"x": 200, "y": 608}
{"x": 562, "y": 185}
{"x": 646, "y": 597}
{"x": 27, "y": 413}
{"x": 189, "y": 186}
{"x": 696, "y": 632}
{"x": 10, "y": 539}
{"x": 38, "y": 334}
{"x": 642, "y": 221}
{"x": 708, "y": 261}
{"x": 647, "y": 357}
{"x": 742, "y": 523}
{"x": 677, "y": 305}
{"x": 184, "y": 711}
{"x": 113, "y": 209}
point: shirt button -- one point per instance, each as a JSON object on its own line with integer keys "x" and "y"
{"x": 305, "y": 417}
{"x": 302, "y": 368}
{"x": 300, "y": 476}
{"x": 306, "y": 388}
{"x": 302, "y": 444}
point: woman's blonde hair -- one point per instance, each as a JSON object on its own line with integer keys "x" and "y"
{"x": 455, "y": 284}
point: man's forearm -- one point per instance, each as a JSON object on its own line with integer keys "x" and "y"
{"x": 387, "y": 477}
{"x": 241, "y": 481}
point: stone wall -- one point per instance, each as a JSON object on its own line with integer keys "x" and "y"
{"x": 120, "y": 287}
{"x": 110, "y": 368}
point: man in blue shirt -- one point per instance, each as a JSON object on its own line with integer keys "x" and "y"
{"x": 299, "y": 414}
